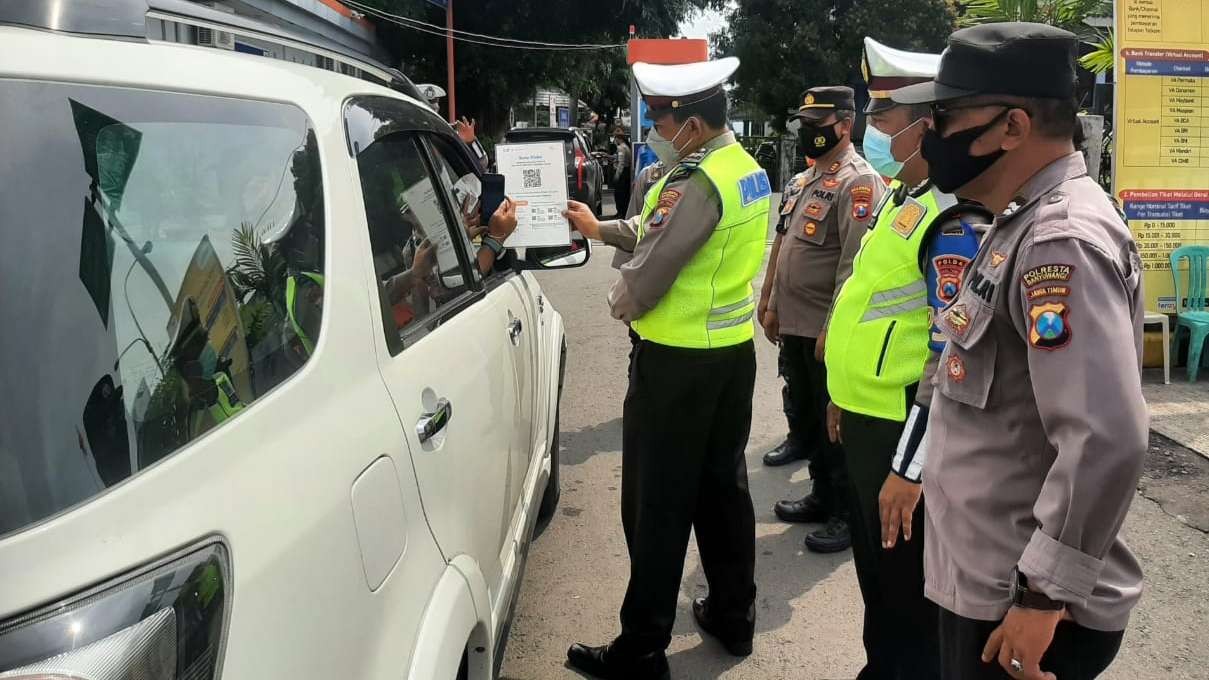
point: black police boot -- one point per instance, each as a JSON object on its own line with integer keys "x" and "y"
{"x": 833, "y": 538}
{"x": 808, "y": 510}
{"x": 610, "y": 663}
{"x": 784, "y": 453}
{"x": 735, "y": 637}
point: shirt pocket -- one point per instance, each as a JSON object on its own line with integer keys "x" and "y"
{"x": 813, "y": 227}
{"x": 967, "y": 366}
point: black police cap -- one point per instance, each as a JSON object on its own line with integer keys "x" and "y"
{"x": 1010, "y": 58}
{"x": 820, "y": 102}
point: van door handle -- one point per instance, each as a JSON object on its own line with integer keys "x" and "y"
{"x": 432, "y": 423}
{"x": 515, "y": 328}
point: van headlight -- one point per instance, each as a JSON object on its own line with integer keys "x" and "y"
{"x": 163, "y": 622}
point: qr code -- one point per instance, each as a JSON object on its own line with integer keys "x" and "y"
{"x": 533, "y": 178}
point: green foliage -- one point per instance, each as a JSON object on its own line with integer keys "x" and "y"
{"x": 490, "y": 80}
{"x": 787, "y": 46}
{"x": 1067, "y": 14}
{"x": 1102, "y": 58}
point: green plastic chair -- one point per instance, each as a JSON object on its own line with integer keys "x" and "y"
{"x": 1190, "y": 303}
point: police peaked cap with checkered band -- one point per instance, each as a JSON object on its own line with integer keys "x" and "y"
{"x": 669, "y": 87}
{"x": 886, "y": 69}
{"x": 820, "y": 102}
{"x": 1013, "y": 58}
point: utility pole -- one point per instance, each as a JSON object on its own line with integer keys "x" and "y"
{"x": 449, "y": 59}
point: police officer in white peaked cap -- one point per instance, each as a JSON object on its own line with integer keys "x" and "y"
{"x": 687, "y": 294}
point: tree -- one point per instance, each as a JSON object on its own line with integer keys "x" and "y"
{"x": 789, "y": 45}
{"x": 490, "y": 80}
{"x": 1066, "y": 14}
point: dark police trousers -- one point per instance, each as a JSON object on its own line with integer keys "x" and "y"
{"x": 1077, "y": 653}
{"x": 900, "y": 627}
{"x": 807, "y": 382}
{"x": 686, "y": 420}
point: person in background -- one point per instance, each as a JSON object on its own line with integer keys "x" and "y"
{"x": 1038, "y": 427}
{"x": 827, "y": 211}
{"x": 622, "y": 172}
{"x": 687, "y": 293}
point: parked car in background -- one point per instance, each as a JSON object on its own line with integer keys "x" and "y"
{"x": 274, "y": 420}
{"x": 585, "y": 177}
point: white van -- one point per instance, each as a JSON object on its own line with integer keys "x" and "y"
{"x": 248, "y": 430}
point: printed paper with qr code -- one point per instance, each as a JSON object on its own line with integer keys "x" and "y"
{"x": 535, "y": 176}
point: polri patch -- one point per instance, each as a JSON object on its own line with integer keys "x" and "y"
{"x": 1049, "y": 326}
{"x": 1046, "y": 273}
{"x": 814, "y": 209}
{"x": 828, "y": 196}
{"x": 754, "y": 187}
{"x": 830, "y": 183}
{"x": 660, "y": 217}
{"x": 810, "y": 228}
{"x": 862, "y": 193}
{"x": 669, "y": 198}
{"x": 949, "y": 270}
{"x": 908, "y": 218}
{"x": 861, "y": 210}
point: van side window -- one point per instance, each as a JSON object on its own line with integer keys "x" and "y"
{"x": 162, "y": 264}
{"x": 416, "y": 261}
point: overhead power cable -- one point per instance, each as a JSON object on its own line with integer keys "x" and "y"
{"x": 474, "y": 38}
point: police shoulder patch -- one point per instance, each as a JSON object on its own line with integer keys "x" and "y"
{"x": 1046, "y": 273}
{"x": 1049, "y": 325}
{"x": 754, "y": 187}
{"x": 659, "y": 218}
{"x": 669, "y": 198}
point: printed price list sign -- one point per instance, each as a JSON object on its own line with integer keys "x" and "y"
{"x": 1161, "y": 155}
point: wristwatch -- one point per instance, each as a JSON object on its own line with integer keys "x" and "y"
{"x": 1031, "y": 599}
{"x": 494, "y": 244}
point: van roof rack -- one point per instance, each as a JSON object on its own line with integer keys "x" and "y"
{"x": 127, "y": 20}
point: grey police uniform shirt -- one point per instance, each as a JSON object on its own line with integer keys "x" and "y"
{"x": 626, "y": 230}
{"x": 694, "y": 210}
{"x": 1038, "y": 426}
{"x": 824, "y": 218}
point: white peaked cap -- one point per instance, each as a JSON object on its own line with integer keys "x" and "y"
{"x": 887, "y": 62}
{"x": 682, "y": 80}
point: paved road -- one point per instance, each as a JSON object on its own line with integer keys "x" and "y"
{"x": 808, "y": 605}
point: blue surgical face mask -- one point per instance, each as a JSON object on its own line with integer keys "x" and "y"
{"x": 877, "y": 147}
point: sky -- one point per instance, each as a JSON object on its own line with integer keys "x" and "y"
{"x": 701, "y": 24}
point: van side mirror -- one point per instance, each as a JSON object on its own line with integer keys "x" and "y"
{"x": 570, "y": 256}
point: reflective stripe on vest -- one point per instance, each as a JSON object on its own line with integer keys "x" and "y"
{"x": 877, "y": 339}
{"x": 710, "y": 304}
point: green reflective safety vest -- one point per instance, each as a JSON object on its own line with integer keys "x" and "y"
{"x": 877, "y": 339}
{"x": 710, "y": 304}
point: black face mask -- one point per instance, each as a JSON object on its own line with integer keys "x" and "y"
{"x": 817, "y": 141}
{"x": 950, "y": 165}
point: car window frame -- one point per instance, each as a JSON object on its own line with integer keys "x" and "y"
{"x": 496, "y": 276}
{"x": 393, "y": 116}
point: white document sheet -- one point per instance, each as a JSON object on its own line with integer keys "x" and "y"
{"x": 535, "y": 176}
{"x": 422, "y": 199}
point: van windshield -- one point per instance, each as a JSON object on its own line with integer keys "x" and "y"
{"x": 160, "y": 268}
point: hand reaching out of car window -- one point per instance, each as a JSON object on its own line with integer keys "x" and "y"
{"x": 472, "y": 219}
{"x": 466, "y": 129}
{"x": 503, "y": 222}
{"x": 421, "y": 266}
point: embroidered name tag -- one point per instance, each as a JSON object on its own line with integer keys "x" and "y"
{"x": 754, "y": 187}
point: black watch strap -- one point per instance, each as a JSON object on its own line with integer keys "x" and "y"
{"x": 496, "y": 247}
{"x": 1031, "y": 599}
